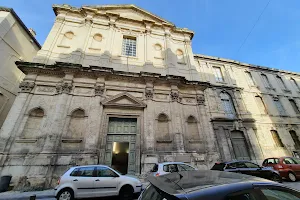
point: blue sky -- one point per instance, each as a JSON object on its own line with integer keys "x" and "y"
{"x": 220, "y": 26}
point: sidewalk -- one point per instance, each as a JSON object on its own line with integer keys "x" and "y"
{"x": 44, "y": 195}
{"x": 17, "y": 195}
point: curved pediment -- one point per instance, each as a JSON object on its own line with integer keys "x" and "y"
{"x": 124, "y": 100}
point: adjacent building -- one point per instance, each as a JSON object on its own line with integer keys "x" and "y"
{"x": 16, "y": 44}
{"x": 120, "y": 86}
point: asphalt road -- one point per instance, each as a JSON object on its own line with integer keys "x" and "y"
{"x": 295, "y": 185}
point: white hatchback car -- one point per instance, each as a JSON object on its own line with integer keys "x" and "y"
{"x": 169, "y": 167}
{"x": 96, "y": 181}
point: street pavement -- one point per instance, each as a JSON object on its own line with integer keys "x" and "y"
{"x": 49, "y": 194}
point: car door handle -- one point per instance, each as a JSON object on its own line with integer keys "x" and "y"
{"x": 75, "y": 180}
{"x": 97, "y": 180}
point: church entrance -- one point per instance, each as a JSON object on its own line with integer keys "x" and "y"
{"x": 120, "y": 151}
{"x": 120, "y": 156}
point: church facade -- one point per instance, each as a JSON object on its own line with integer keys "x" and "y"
{"x": 120, "y": 86}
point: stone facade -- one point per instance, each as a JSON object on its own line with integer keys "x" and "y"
{"x": 82, "y": 94}
{"x": 16, "y": 43}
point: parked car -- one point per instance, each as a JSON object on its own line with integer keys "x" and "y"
{"x": 96, "y": 181}
{"x": 216, "y": 185}
{"x": 249, "y": 168}
{"x": 168, "y": 167}
{"x": 288, "y": 167}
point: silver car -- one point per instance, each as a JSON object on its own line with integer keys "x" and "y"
{"x": 96, "y": 181}
{"x": 169, "y": 167}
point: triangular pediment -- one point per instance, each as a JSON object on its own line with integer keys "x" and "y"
{"x": 131, "y": 12}
{"x": 124, "y": 100}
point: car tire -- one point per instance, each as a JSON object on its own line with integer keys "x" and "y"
{"x": 276, "y": 178}
{"x": 292, "y": 177}
{"x": 126, "y": 193}
{"x": 65, "y": 194}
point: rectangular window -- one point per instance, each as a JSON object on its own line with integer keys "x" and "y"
{"x": 294, "y": 105}
{"x": 218, "y": 74}
{"x": 281, "y": 83}
{"x": 279, "y": 107}
{"x": 250, "y": 78}
{"x": 129, "y": 46}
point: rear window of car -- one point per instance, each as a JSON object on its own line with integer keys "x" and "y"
{"x": 271, "y": 161}
{"x": 153, "y": 193}
{"x": 155, "y": 168}
{"x": 74, "y": 172}
{"x": 218, "y": 166}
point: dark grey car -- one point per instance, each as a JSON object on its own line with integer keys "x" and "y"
{"x": 215, "y": 185}
{"x": 248, "y": 168}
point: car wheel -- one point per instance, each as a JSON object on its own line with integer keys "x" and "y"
{"x": 292, "y": 177}
{"x": 126, "y": 193}
{"x": 65, "y": 194}
{"x": 276, "y": 178}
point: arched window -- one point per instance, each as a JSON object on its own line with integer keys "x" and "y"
{"x": 77, "y": 124}
{"x": 67, "y": 39}
{"x": 239, "y": 145}
{"x": 163, "y": 139}
{"x": 295, "y": 106}
{"x": 279, "y": 106}
{"x": 276, "y": 138}
{"x": 295, "y": 139}
{"x": 96, "y": 42}
{"x": 227, "y": 105}
{"x": 295, "y": 84}
{"x": 33, "y": 123}
{"x": 266, "y": 81}
{"x": 249, "y": 78}
{"x": 180, "y": 56}
{"x": 261, "y": 105}
{"x": 281, "y": 82}
{"x": 158, "y": 51}
{"x": 192, "y": 137}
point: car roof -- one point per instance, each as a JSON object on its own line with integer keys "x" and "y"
{"x": 280, "y": 157}
{"x": 168, "y": 163}
{"x": 190, "y": 181}
{"x": 90, "y": 166}
{"x": 234, "y": 161}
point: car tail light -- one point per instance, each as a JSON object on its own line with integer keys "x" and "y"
{"x": 58, "y": 181}
{"x": 157, "y": 174}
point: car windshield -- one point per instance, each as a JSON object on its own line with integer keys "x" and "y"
{"x": 119, "y": 172}
{"x": 297, "y": 160}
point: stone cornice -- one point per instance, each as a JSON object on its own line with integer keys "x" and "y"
{"x": 257, "y": 67}
{"x": 61, "y": 68}
{"x": 107, "y": 11}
